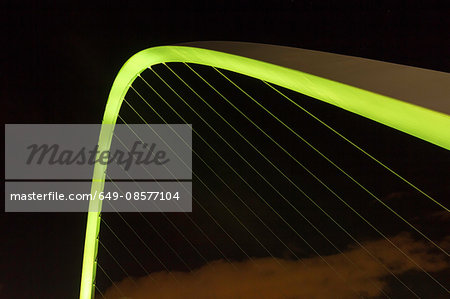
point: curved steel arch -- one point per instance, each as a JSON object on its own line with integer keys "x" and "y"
{"x": 399, "y": 100}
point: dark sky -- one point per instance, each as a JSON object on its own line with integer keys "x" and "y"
{"x": 58, "y": 64}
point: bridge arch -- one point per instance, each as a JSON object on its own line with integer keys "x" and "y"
{"x": 401, "y": 97}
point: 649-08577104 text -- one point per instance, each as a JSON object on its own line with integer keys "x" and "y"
{"x": 54, "y": 195}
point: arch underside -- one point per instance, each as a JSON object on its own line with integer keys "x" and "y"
{"x": 308, "y": 79}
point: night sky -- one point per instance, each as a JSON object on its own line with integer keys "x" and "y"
{"x": 58, "y": 64}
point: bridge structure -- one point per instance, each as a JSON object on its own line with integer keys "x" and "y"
{"x": 409, "y": 99}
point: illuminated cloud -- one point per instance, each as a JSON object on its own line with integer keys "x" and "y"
{"x": 265, "y": 278}
{"x": 440, "y": 216}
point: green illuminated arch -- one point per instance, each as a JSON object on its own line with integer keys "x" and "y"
{"x": 410, "y": 117}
